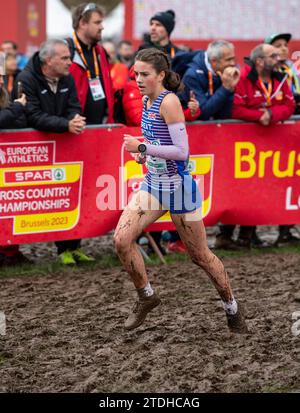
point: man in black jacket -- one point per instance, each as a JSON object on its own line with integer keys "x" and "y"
{"x": 52, "y": 103}
{"x": 53, "y": 106}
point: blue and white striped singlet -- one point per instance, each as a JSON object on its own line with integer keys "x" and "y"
{"x": 168, "y": 180}
{"x": 162, "y": 174}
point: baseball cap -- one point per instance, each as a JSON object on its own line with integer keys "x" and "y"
{"x": 275, "y": 36}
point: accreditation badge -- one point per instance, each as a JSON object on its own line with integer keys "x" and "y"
{"x": 96, "y": 89}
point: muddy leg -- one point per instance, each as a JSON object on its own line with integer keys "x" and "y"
{"x": 192, "y": 232}
{"x": 139, "y": 213}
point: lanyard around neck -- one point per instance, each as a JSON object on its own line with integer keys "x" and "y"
{"x": 80, "y": 51}
{"x": 210, "y": 83}
{"x": 10, "y": 83}
{"x": 285, "y": 69}
{"x": 267, "y": 92}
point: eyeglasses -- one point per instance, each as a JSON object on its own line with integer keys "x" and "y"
{"x": 89, "y": 7}
{"x": 273, "y": 56}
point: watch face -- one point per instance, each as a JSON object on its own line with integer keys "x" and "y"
{"x": 142, "y": 148}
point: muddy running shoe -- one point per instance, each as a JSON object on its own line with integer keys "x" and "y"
{"x": 140, "y": 310}
{"x": 236, "y": 322}
{"x": 81, "y": 258}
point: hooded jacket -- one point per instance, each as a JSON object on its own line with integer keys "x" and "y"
{"x": 132, "y": 101}
{"x": 250, "y": 99}
{"x": 215, "y": 106}
{"x": 45, "y": 110}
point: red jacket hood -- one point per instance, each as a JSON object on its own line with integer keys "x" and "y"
{"x": 131, "y": 73}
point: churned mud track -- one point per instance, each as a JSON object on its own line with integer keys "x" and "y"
{"x": 65, "y": 332}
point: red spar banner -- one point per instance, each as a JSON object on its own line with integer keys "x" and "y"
{"x": 55, "y": 187}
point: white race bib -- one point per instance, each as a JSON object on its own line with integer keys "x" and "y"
{"x": 156, "y": 165}
{"x": 96, "y": 89}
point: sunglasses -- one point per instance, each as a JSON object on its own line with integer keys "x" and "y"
{"x": 89, "y": 7}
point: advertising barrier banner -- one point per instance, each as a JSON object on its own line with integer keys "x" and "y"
{"x": 62, "y": 186}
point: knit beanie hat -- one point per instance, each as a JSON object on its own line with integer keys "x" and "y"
{"x": 166, "y": 18}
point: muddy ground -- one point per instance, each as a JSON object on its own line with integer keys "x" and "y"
{"x": 65, "y": 331}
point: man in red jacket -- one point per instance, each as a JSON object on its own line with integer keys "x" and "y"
{"x": 263, "y": 94}
{"x": 90, "y": 70}
{"x": 90, "y": 67}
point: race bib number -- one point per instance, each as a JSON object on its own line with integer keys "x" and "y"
{"x": 96, "y": 89}
{"x": 156, "y": 165}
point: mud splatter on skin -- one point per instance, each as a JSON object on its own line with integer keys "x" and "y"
{"x": 223, "y": 287}
{"x": 121, "y": 227}
{"x": 134, "y": 264}
{"x": 216, "y": 272}
{"x": 141, "y": 213}
{"x": 191, "y": 246}
{"x": 183, "y": 224}
{"x": 133, "y": 271}
{"x": 124, "y": 226}
{"x": 193, "y": 234}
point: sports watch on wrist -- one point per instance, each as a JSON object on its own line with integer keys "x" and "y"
{"x": 142, "y": 148}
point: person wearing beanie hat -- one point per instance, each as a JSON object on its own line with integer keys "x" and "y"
{"x": 161, "y": 26}
{"x": 166, "y": 18}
